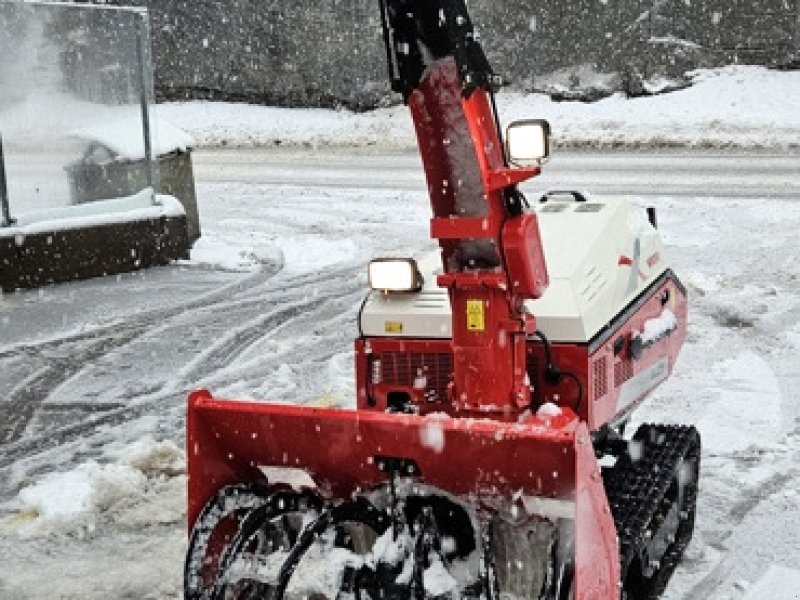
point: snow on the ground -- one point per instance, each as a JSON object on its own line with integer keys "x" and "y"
{"x": 92, "y": 490}
{"x": 778, "y": 583}
{"x": 106, "y": 528}
{"x": 93, "y": 496}
{"x": 747, "y": 405}
{"x": 731, "y": 106}
{"x": 73, "y": 502}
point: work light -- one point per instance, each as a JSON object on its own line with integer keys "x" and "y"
{"x": 394, "y": 275}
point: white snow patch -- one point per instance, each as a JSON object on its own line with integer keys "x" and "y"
{"x": 431, "y": 434}
{"x": 234, "y": 254}
{"x": 295, "y": 254}
{"x": 307, "y": 254}
{"x": 73, "y": 498}
{"x": 154, "y": 458}
{"x": 548, "y": 409}
{"x": 390, "y": 550}
{"x": 93, "y": 214}
{"x": 125, "y": 137}
{"x": 437, "y": 580}
{"x": 654, "y": 329}
{"x": 778, "y": 583}
{"x": 747, "y": 409}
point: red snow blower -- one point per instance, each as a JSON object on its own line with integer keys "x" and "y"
{"x": 486, "y": 457}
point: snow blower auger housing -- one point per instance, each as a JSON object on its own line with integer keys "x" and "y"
{"x": 486, "y": 456}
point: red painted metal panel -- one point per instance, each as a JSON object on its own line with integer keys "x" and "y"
{"x": 227, "y": 440}
{"x": 487, "y": 463}
{"x": 597, "y": 569}
{"x": 525, "y": 263}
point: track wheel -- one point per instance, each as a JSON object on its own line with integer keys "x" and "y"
{"x": 670, "y": 530}
{"x": 212, "y": 533}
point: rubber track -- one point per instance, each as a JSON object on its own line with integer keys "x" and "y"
{"x": 636, "y": 489}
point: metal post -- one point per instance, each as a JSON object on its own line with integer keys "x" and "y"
{"x": 142, "y": 38}
{"x": 5, "y": 217}
{"x": 797, "y": 33}
{"x": 649, "y": 58}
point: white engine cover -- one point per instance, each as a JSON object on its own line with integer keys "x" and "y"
{"x": 600, "y": 255}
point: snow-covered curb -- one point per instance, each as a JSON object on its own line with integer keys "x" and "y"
{"x": 138, "y": 207}
{"x": 735, "y": 106}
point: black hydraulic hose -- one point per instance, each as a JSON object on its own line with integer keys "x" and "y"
{"x": 576, "y": 379}
{"x": 361, "y": 314}
{"x": 548, "y": 355}
{"x": 493, "y": 100}
{"x": 553, "y": 374}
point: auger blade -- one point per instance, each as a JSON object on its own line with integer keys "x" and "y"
{"x": 542, "y": 468}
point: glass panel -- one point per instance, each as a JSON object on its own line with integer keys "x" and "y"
{"x": 75, "y": 91}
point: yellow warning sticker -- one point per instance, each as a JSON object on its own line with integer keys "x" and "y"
{"x": 475, "y": 317}
{"x": 393, "y": 327}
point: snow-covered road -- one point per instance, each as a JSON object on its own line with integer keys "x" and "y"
{"x": 93, "y": 375}
{"x": 672, "y": 172}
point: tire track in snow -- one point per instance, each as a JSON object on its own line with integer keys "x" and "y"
{"x": 721, "y": 574}
{"x": 26, "y": 398}
{"x": 337, "y": 318}
{"x": 217, "y": 299}
{"x": 215, "y": 359}
{"x": 76, "y": 352}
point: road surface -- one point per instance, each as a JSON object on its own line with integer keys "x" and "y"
{"x": 680, "y": 173}
{"x": 266, "y": 310}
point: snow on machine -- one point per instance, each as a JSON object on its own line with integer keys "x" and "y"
{"x": 486, "y": 456}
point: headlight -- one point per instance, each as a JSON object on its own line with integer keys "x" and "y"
{"x": 528, "y": 142}
{"x": 395, "y": 275}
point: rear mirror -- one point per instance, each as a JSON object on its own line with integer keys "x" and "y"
{"x": 528, "y": 142}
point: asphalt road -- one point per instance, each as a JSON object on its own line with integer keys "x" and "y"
{"x": 678, "y": 173}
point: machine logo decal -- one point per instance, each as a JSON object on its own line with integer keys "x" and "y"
{"x": 475, "y": 317}
{"x": 633, "y": 263}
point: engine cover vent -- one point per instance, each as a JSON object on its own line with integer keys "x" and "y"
{"x": 431, "y": 371}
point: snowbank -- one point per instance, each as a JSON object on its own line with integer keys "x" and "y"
{"x": 732, "y": 106}
{"x": 74, "y": 502}
{"x": 74, "y": 496}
